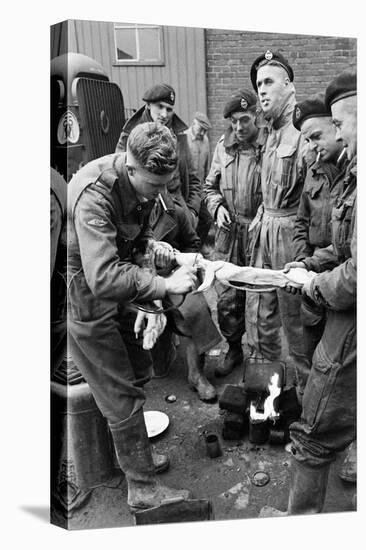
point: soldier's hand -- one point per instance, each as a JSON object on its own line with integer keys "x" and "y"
{"x": 163, "y": 255}
{"x": 290, "y": 265}
{"x": 188, "y": 258}
{"x": 183, "y": 280}
{"x": 292, "y": 288}
{"x": 223, "y": 218}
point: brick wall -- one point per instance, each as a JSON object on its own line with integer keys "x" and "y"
{"x": 229, "y": 55}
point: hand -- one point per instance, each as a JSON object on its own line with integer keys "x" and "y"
{"x": 306, "y": 288}
{"x": 290, "y": 265}
{"x": 183, "y": 280}
{"x": 163, "y": 255}
{"x": 293, "y": 288}
{"x": 155, "y": 325}
{"x": 194, "y": 218}
{"x": 223, "y": 218}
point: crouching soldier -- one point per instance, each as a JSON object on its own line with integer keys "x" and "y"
{"x": 232, "y": 192}
{"x": 110, "y": 201}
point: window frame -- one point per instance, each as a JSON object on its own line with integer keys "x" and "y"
{"x": 138, "y": 62}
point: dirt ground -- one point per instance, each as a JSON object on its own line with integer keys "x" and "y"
{"x": 226, "y": 480}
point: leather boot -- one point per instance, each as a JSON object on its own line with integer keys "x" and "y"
{"x": 233, "y": 358}
{"x": 348, "y": 471}
{"x": 196, "y": 379}
{"x": 307, "y": 491}
{"x": 134, "y": 456}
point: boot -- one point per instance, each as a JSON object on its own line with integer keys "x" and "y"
{"x": 196, "y": 379}
{"x": 307, "y": 491}
{"x": 233, "y": 358}
{"x": 348, "y": 471}
{"x": 134, "y": 456}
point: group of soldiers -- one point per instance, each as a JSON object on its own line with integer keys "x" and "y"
{"x": 281, "y": 191}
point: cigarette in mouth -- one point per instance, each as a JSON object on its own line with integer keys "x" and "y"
{"x": 162, "y": 202}
{"x": 318, "y": 157}
{"x": 342, "y": 154}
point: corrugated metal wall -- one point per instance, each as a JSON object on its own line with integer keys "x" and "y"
{"x": 184, "y": 68}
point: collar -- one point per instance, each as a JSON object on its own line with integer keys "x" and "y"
{"x": 176, "y": 124}
{"x": 232, "y": 145}
{"x": 129, "y": 198}
{"x": 284, "y": 112}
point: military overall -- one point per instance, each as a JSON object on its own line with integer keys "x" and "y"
{"x": 106, "y": 222}
{"x": 328, "y": 421}
{"x": 234, "y": 182}
{"x": 273, "y": 229}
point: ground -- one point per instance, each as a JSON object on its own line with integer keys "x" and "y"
{"x": 225, "y": 480}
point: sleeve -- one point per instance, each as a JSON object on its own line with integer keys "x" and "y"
{"x": 323, "y": 259}
{"x": 211, "y": 188}
{"x": 56, "y": 226}
{"x": 107, "y": 276}
{"x": 194, "y": 190}
{"x": 302, "y": 247}
{"x": 337, "y": 289}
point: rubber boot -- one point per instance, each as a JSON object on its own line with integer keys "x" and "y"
{"x": 196, "y": 379}
{"x": 134, "y": 456}
{"x": 348, "y": 471}
{"x": 307, "y": 491}
{"x": 233, "y": 358}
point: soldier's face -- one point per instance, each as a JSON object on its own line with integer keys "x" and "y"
{"x": 243, "y": 125}
{"x": 146, "y": 184}
{"x": 161, "y": 112}
{"x": 319, "y": 133}
{"x": 344, "y": 114}
{"x": 197, "y": 130}
{"x": 272, "y": 83}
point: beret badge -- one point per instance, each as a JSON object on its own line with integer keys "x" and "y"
{"x": 268, "y": 55}
{"x": 297, "y": 113}
{"x": 172, "y": 96}
{"x": 244, "y": 104}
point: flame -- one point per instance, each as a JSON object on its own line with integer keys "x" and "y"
{"x": 269, "y": 411}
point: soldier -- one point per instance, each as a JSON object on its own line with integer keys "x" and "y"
{"x": 110, "y": 201}
{"x": 313, "y": 221}
{"x": 185, "y": 186}
{"x": 200, "y": 150}
{"x": 232, "y": 193}
{"x": 282, "y": 180}
{"x": 328, "y": 421}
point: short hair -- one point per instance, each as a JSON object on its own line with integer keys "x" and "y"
{"x": 154, "y": 147}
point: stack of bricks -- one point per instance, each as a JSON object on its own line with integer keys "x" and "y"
{"x": 230, "y": 54}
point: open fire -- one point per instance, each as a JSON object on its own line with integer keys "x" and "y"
{"x": 269, "y": 411}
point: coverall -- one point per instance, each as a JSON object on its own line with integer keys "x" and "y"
{"x": 185, "y": 185}
{"x": 234, "y": 182}
{"x": 58, "y": 203}
{"x": 328, "y": 421}
{"x": 282, "y": 181}
{"x": 313, "y": 230}
{"x": 200, "y": 152}
{"x": 106, "y": 222}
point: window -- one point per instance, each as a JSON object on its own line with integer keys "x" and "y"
{"x": 138, "y": 45}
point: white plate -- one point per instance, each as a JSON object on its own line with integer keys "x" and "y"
{"x": 156, "y": 422}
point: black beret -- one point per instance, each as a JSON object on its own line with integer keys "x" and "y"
{"x": 267, "y": 58}
{"x": 160, "y": 92}
{"x": 314, "y": 106}
{"x": 344, "y": 85}
{"x": 242, "y": 100}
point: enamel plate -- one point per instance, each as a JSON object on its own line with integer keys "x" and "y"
{"x": 156, "y": 422}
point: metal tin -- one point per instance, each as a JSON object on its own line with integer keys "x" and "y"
{"x": 258, "y": 431}
{"x": 213, "y": 445}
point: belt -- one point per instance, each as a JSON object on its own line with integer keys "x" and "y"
{"x": 280, "y": 212}
{"x": 239, "y": 218}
